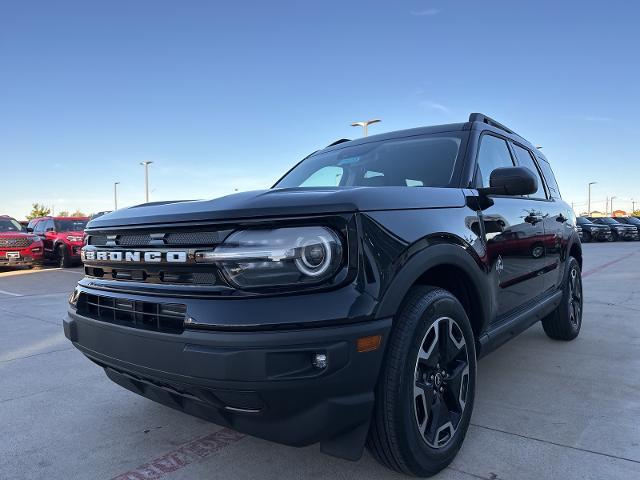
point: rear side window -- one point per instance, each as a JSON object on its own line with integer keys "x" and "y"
{"x": 493, "y": 153}
{"x": 554, "y": 191}
{"x": 526, "y": 160}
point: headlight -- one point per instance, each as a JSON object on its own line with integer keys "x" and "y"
{"x": 75, "y": 238}
{"x": 281, "y": 256}
{"x": 620, "y": 229}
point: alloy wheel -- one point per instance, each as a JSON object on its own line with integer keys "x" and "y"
{"x": 441, "y": 382}
{"x": 575, "y": 297}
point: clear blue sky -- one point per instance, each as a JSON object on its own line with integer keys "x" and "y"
{"x": 226, "y": 95}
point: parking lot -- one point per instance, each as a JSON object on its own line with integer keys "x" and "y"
{"x": 544, "y": 409}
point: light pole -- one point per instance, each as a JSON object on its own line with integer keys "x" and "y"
{"x": 146, "y": 179}
{"x": 115, "y": 195}
{"x": 589, "y": 200}
{"x": 365, "y": 125}
{"x": 611, "y": 204}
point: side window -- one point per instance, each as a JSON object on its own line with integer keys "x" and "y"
{"x": 49, "y": 225}
{"x": 526, "y": 160}
{"x": 554, "y": 191}
{"x": 39, "y": 227}
{"x": 494, "y": 153}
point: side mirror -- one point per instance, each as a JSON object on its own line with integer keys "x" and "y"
{"x": 29, "y": 230}
{"x": 511, "y": 181}
{"x": 53, "y": 230}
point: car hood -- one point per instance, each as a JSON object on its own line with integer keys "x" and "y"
{"x": 284, "y": 202}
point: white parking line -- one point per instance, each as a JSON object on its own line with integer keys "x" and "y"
{"x": 10, "y": 293}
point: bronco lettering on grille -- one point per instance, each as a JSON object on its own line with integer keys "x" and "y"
{"x": 173, "y": 256}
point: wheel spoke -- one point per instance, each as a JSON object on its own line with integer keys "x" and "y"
{"x": 439, "y": 418}
{"x": 443, "y": 339}
{"x": 457, "y": 384}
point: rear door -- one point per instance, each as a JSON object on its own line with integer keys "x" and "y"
{"x": 513, "y": 231}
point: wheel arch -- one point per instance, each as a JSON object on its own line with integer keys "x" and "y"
{"x": 450, "y": 267}
{"x": 575, "y": 250}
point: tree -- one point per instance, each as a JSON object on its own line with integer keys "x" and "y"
{"x": 64, "y": 213}
{"x": 78, "y": 213}
{"x": 38, "y": 210}
{"x": 636, "y": 213}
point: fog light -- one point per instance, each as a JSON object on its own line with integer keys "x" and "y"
{"x": 320, "y": 361}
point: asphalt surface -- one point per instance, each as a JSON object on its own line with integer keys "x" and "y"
{"x": 544, "y": 409}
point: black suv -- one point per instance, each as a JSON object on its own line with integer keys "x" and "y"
{"x": 633, "y": 221}
{"x": 593, "y": 231}
{"x": 347, "y": 305}
{"x": 619, "y": 231}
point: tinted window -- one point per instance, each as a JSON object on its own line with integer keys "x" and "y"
{"x": 608, "y": 220}
{"x": 494, "y": 153}
{"x": 583, "y": 221}
{"x": 552, "y": 185}
{"x": 526, "y": 160}
{"x": 417, "y": 161}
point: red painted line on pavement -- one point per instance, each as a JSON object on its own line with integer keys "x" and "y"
{"x": 605, "y": 265}
{"x": 181, "y": 457}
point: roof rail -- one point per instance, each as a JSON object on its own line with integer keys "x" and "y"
{"x": 481, "y": 117}
{"x": 342, "y": 140}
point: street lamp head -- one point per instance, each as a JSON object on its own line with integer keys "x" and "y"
{"x": 592, "y": 183}
{"x": 146, "y": 162}
{"x": 365, "y": 123}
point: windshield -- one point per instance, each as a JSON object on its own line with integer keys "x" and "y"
{"x": 10, "y": 225}
{"x": 70, "y": 225}
{"x": 583, "y": 221}
{"x": 423, "y": 161}
{"x": 608, "y": 220}
{"x": 633, "y": 220}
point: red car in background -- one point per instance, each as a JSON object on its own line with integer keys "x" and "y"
{"x": 63, "y": 237}
{"x": 17, "y": 247}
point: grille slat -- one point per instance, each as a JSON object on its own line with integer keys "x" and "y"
{"x": 167, "y": 318}
{"x": 159, "y": 238}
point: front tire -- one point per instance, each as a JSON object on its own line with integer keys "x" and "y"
{"x": 64, "y": 259}
{"x": 426, "y": 389}
{"x": 564, "y": 322}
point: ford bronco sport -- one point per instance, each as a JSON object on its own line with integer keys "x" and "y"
{"x": 347, "y": 305}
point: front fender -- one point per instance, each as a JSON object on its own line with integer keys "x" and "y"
{"x": 429, "y": 257}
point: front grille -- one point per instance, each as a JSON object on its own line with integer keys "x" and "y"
{"x": 160, "y": 317}
{"x": 187, "y": 240}
{"x": 159, "y": 277}
{"x": 15, "y": 242}
{"x": 157, "y": 239}
{"x": 130, "y": 240}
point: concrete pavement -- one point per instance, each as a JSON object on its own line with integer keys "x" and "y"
{"x": 544, "y": 409}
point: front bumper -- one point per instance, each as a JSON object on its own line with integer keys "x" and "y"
{"x": 260, "y": 383}
{"x": 26, "y": 258}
